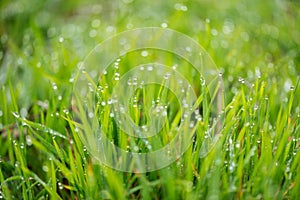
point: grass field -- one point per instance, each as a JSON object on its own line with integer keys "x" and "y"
{"x": 256, "y": 47}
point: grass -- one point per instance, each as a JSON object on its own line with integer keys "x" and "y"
{"x": 256, "y": 47}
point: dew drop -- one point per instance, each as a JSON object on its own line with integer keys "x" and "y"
{"x": 192, "y": 124}
{"x": 164, "y": 113}
{"x": 136, "y": 148}
{"x": 61, "y": 39}
{"x": 292, "y": 88}
{"x": 91, "y": 115}
{"x": 164, "y": 25}
{"x": 150, "y": 68}
{"x": 60, "y": 186}
{"x": 54, "y": 86}
{"x": 109, "y": 101}
{"x": 28, "y": 140}
{"x": 71, "y": 80}
{"x": 45, "y": 168}
{"x": 166, "y": 76}
{"x": 144, "y": 53}
{"x": 202, "y": 81}
{"x": 95, "y": 23}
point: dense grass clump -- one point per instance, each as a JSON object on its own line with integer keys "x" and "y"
{"x": 256, "y": 47}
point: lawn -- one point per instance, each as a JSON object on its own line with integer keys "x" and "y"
{"x": 224, "y": 128}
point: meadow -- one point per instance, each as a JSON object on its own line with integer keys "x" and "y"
{"x": 44, "y": 152}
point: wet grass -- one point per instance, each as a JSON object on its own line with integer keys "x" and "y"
{"x": 256, "y": 46}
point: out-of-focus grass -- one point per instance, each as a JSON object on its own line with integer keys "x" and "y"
{"x": 256, "y": 45}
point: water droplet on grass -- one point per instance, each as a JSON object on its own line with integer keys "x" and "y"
{"x": 136, "y": 148}
{"x": 202, "y": 80}
{"x": 95, "y": 23}
{"x": 91, "y": 114}
{"x": 71, "y": 80}
{"x": 93, "y": 33}
{"x": 180, "y": 7}
{"x": 164, "y": 25}
{"x": 144, "y": 53}
{"x": 134, "y": 81}
{"x": 61, "y": 39}
{"x": 214, "y": 32}
{"x": 60, "y": 186}
{"x": 150, "y": 68}
{"x": 164, "y": 113}
{"x": 192, "y": 124}
{"x": 54, "y": 86}
{"x": 28, "y": 140}
{"x": 292, "y": 88}
{"x": 45, "y": 168}
{"x": 241, "y": 80}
